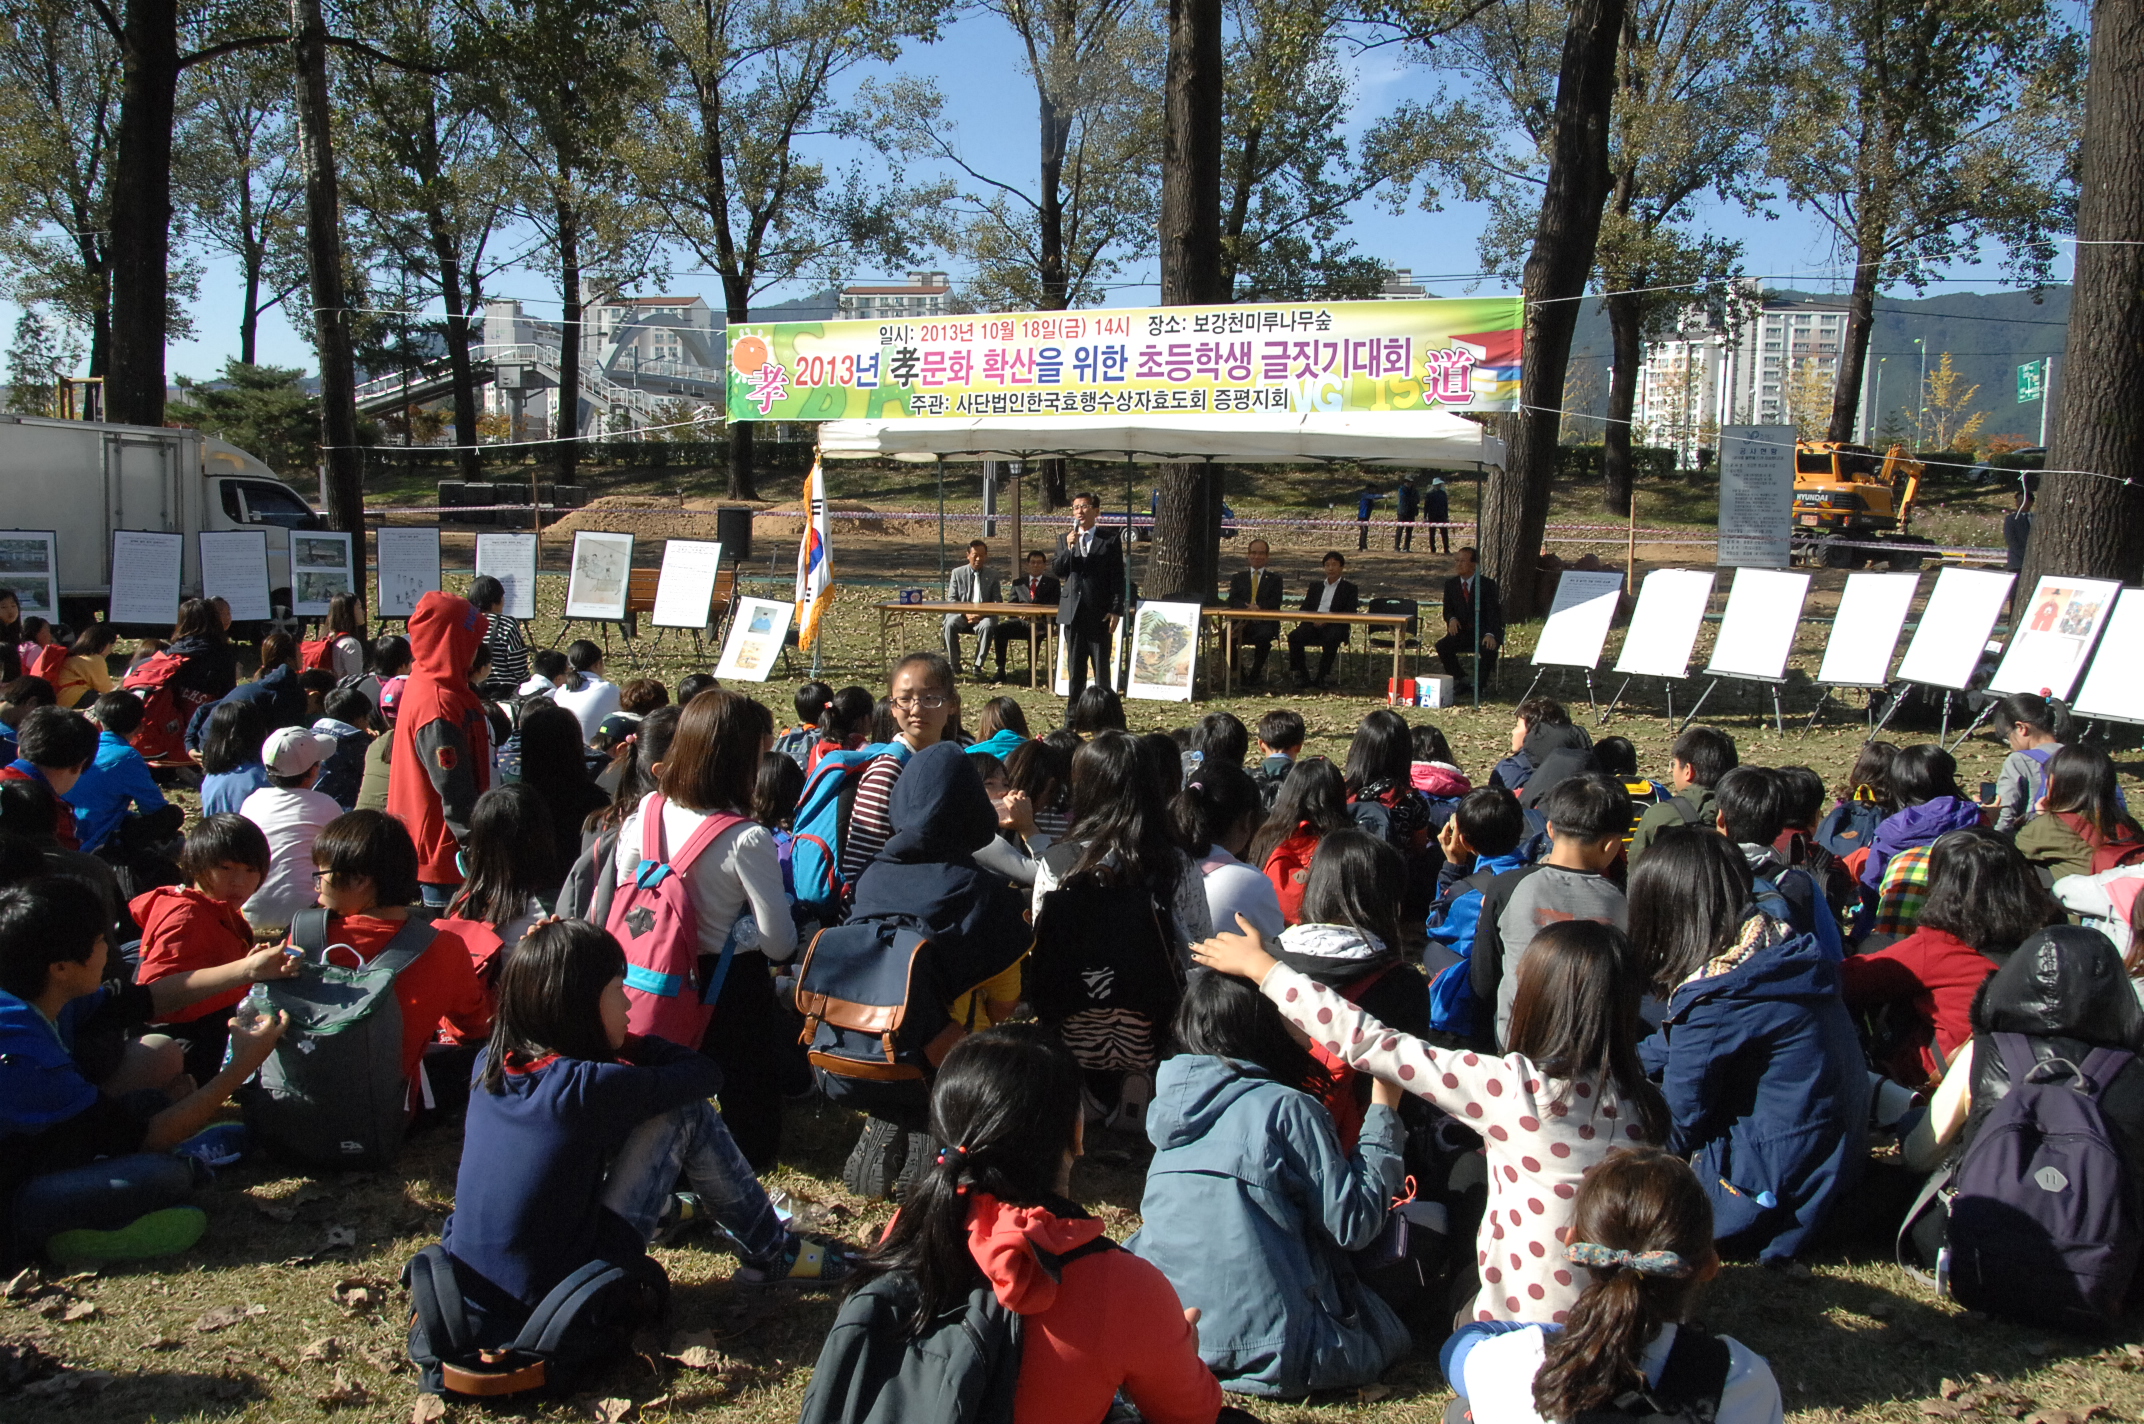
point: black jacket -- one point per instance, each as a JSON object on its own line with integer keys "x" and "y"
{"x": 1409, "y": 500}
{"x": 1093, "y": 583}
{"x": 1272, "y": 589}
{"x": 1345, "y": 599}
{"x": 1491, "y": 599}
{"x": 1437, "y": 505}
{"x": 1046, "y": 590}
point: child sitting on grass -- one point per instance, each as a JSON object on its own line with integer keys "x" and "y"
{"x": 201, "y": 925}
{"x": 89, "y": 1113}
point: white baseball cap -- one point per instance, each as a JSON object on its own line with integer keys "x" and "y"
{"x": 293, "y": 751}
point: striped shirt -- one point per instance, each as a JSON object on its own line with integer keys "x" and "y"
{"x": 870, "y": 817}
{"x": 509, "y": 657}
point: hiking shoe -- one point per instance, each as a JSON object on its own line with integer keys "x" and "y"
{"x": 681, "y": 1215}
{"x": 802, "y": 1262}
{"x": 217, "y": 1146}
{"x": 875, "y": 1162}
{"x": 159, "y": 1233}
{"x": 921, "y": 1156}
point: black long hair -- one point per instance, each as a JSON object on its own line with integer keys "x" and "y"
{"x": 1382, "y": 752}
{"x": 1688, "y": 898}
{"x": 1357, "y": 879}
{"x": 1982, "y": 890}
{"x": 1119, "y": 817}
{"x": 1222, "y": 1016}
{"x": 232, "y": 737}
{"x": 508, "y": 855}
{"x": 1924, "y": 773}
{"x": 1575, "y": 1016}
{"x": 1314, "y": 795}
{"x": 1217, "y": 798}
{"x": 550, "y": 997}
{"x": 2081, "y": 781}
{"x": 1005, "y": 1109}
{"x": 636, "y": 778}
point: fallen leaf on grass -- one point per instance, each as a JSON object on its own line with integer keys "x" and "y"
{"x": 339, "y": 1238}
{"x": 23, "y": 1284}
{"x": 225, "y": 1316}
{"x": 1950, "y": 1389}
{"x": 232, "y": 1386}
{"x": 80, "y": 1310}
{"x": 1372, "y": 1393}
{"x": 326, "y": 1348}
{"x": 277, "y": 1211}
{"x": 1942, "y": 1409}
{"x": 360, "y": 1293}
{"x": 610, "y": 1411}
{"x": 162, "y": 1342}
{"x": 343, "y": 1391}
{"x": 428, "y": 1409}
{"x": 22, "y": 1361}
{"x": 2068, "y": 1416}
{"x": 68, "y": 1382}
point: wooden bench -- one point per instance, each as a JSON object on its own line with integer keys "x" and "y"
{"x": 640, "y": 598}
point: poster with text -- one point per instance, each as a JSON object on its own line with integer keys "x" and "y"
{"x": 1578, "y": 619}
{"x": 1061, "y": 679}
{"x": 1764, "y": 609}
{"x": 1459, "y": 354}
{"x": 146, "y": 568}
{"x": 601, "y": 571}
{"x": 1165, "y": 644}
{"x": 320, "y": 569}
{"x": 685, "y": 591}
{"x": 409, "y": 568}
{"x": 755, "y": 641}
{"x": 30, "y": 566}
{"x": 2114, "y": 689}
{"x": 511, "y": 559}
{"x": 1756, "y": 496}
{"x": 2053, "y": 636}
{"x": 1954, "y": 627}
{"x": 234, "y": 568}
{"x": 1864, "y": 632}
{"x": 1663, "y": 627}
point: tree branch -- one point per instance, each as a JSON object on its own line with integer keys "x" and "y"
{"x": 436, "y": 71}
{"x": 218, "y": 51}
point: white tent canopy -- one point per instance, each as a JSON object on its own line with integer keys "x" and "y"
{"x": 1431, "y": 439}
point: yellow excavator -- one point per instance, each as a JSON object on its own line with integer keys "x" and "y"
{"x": 1849, "y": 495}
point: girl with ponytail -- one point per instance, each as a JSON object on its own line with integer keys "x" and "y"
{"x": 993, "y": 1211}
{"x": 1642, "y": 1229}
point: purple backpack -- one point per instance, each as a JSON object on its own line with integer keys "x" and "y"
{"x": 2043, "y": 1226}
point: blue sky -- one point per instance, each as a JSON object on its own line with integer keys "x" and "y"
{"x": 977, "y": 67}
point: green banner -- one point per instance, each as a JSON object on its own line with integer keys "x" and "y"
{"x": 1457, "y": 354}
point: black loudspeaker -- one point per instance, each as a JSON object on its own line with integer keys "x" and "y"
{"x": 733, "y": 526}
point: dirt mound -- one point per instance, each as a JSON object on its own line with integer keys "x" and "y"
{"x": 646, "y": 519}
{"x": 787, "y": 522}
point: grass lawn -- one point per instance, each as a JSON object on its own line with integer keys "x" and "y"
{"x": 286, "y": 1311}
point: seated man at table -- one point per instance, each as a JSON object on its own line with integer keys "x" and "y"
{"x": 1037, "y": 586}
{"x": 970, "y": 584}
{"x": 1473, "y": 619}
{"x": 1333, "y": 594}
{"x": 1256, "y": 587}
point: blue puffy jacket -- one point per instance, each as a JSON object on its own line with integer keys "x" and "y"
{"x": 1763, "y": 1074}
{"x": 1251, "y": 1209}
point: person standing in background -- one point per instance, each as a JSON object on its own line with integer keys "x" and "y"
{"x": 1436, "y": 510}
{"x": 1408, "y": 502}
{"x": 1366, "y": 500}
{"x": 1090, "y": 570}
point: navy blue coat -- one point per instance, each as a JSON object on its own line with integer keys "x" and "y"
{"x": 1765, "y": 1085}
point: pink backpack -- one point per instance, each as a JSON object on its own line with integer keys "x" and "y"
{"x": 653, "y": 918}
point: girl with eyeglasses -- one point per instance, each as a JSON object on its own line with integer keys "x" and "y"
{"x": 923, "y": 702}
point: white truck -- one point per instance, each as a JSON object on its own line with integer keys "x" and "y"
{"x": 84, "y": 480}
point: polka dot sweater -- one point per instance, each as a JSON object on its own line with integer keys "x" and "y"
{"x": 1541, "y": 1137}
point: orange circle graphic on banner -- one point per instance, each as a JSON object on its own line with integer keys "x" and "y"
{"x": 748, "y": 355}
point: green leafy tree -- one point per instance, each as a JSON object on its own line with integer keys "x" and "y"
{"x": 263, "y": 410}
{"x": 36, "y": 362}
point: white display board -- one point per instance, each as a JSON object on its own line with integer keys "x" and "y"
{"x": 755, "y": 640}
{"x": 511, "y": 559}
{"x": 2114, "y": 689}
{"x": 234, "y": 568}
{"x": 2052, "y": 636}
{"x": 1756, "y": 496}
{"x": 602, "y": 569}
{"x": 30, "y": 566}
{"x": 686, "y": 589}
{"x": 146, "y": 568}
{"x": 1764, "y": 608}
{"x": 1061, "y": 678}
{"x": 1165, "y": 645}
{"x": 1864, "y": 632}
{"x": 409, "y": 568}
{"x": 1954, "y": 627}
{"x": 1577, "y": 626}
{"x": 320, "y": 571}
{"x": 1663, "y": 629}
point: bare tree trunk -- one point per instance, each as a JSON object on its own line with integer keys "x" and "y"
{"x": 1051, "y": 272}
{"x": 1056, "y": 490}
{"x": 343, "y": 463}
{"x": 1515, "y": 502}
{"x": 566, "y": 447}
{"x": 2090, "y": 525}
{"x": 141, "y": 213}
{"x": 1187, "y": 537}
{"x": 249, "y": 312}
{"x": 1626, "y": 318}
{"x": 744, "y": 483}
{"x": 459, "y": 314}
{"x": 1854, "y": 347}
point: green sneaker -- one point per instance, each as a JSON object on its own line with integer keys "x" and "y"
{"x": 160, "y": 1233}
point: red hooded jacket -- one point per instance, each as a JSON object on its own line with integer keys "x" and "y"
{"x": 442, "y": 747}
{"x": 1111, "y": 1321}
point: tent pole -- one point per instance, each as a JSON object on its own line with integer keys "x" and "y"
{"x": 940, "y": 463}
{"x": 1130, "y": 467}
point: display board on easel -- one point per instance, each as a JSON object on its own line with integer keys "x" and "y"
{"x": 1663, "y": 630}
{"x": 1954, "y": 627}
{"x": 2113, "y": 688}
{"x": 511, "y": 559}
{"x": 2054, "y": 635}
{"x": 1764, "y": 612}
{"x": 1577, "y": 625}
{"x": 1864, "y": 635}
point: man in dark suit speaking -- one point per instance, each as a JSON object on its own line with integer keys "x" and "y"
{"x": 1473, "y": 618}
{"x": 1037, "y": 586}
{"x": 1256, "y": 587}
{"x": 1332, "y": 594}
{"x": 1090, "y": 571}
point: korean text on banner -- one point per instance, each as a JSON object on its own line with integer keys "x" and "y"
{"x": 1756, "y": 496}
{"x": 1456, "y": 354}
{"x": 815, "y": 559}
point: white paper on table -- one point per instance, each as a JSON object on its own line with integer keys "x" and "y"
{"x": 2052, "y": 635}
{"x": 146, "y": 569}
{"x": 409, "y": 568}
{"x": 1578, "y": 620}
{"x": 234, "y": 568}
{"x": 686, "y": 588}
{"x": 1954, "y": 627}
{"x": 755, "y": 641}
{"x": 511, "y": 559}
{"x": 2114, "y": 687}
{"x": 1764, "y": 610}
{"x": 1864, "y": 632}
{"x": 1663, "y": 629}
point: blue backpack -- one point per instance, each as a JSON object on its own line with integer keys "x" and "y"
{"x": 1850, "y": 826}
{"x": 822, "y": 822}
